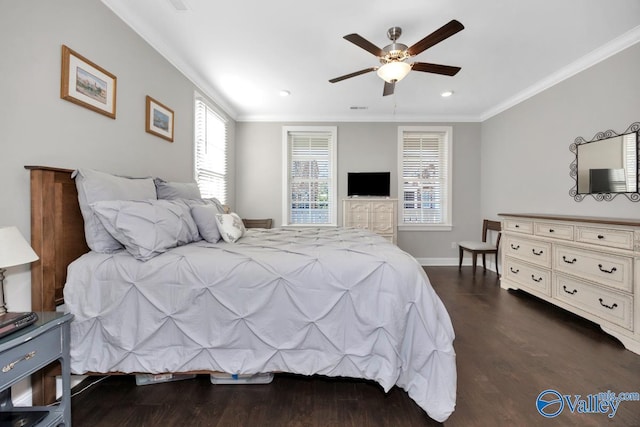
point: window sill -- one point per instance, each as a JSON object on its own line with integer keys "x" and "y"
{"x": 425, "y": 227}
{"x": 309, "y": 225}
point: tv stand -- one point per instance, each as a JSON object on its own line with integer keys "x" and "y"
{"x": 377, "y": 214}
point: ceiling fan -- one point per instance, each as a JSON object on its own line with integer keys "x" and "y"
{"x": 393, "y": 57}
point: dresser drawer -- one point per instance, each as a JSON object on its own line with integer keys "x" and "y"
{"x": 528, "y": 250}
{"x": 604, "y": 303}
{"x": 529, "y": 276}
{"x": 29, "y": 356}
{"x": 517, "y": 225}
{"x": 554, "y": 230}
{"x": 610, "y": 270}
{"x": 605, "y": 237}
{"x": 385, "y": 227}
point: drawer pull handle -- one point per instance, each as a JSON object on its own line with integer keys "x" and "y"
{"x": 551, "y": 230}
{"x": 610, "y": 307}
{"x": 539, "y": 279}
{"x": 515, "y": 248}
{"x": 600, "y": 236}
{"x": 514, "y": 271}
{"x": 564, "y": 258}
{"x": 517, "y": 225}
{"x": 564, "y": 288}
{"x": 613, "y": 269}
{"x": 13, "y": 364}
{"x": 537, "y": 253}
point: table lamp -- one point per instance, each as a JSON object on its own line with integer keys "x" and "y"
{"x": 14, "y": 250}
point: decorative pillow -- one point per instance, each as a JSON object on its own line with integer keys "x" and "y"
{"x": 205, "y": 218}
{"x": 176, "y": 190}
{"x": 148, "y": 228}
{"x": 230, "y": 226}
{"x": 94, "y": 186}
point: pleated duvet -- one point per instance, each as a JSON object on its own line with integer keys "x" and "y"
{"x": 335, "y": 302}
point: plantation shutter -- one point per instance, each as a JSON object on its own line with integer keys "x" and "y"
{"x": 630, "y": 161}
{"x": 310, "y": 166}
{"x": 211, "y": 151}
{"x": 425, "y": 175}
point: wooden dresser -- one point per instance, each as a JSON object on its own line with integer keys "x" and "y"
{"x": 375, "y": 214}
{"x": 589, "y": 266}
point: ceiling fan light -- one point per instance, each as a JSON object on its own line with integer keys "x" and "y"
{"x": 394, "y": 71}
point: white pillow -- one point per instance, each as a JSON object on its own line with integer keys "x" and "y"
{"x": 148, "y": 228}
{"x": 205, "y": 218}
{"x": 230, "y": 226}
{"x": 94, "y": 186}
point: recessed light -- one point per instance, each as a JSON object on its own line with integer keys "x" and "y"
{"x": 357, "y": 107}
{"x": 446, "y": 94}
{"x": 284, "y": 92}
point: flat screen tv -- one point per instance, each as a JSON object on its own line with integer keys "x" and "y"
{"x": 607, "y": 181}
{"x": 368, "y": 184}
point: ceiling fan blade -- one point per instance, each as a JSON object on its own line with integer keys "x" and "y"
{"x": 388, "y": 88}
{"x": 446, "y": 70}
{"x": 357, "y": 73}
{"x": 442, "y": 33}
{"x": 364, "y": 44}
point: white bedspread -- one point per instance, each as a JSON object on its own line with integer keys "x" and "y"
{"x": 336, "y": 302}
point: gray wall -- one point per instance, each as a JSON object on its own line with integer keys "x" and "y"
{"x": 525, "y": 150}
{"x": 39, "y": 128}
{"x": 361, "y": 147}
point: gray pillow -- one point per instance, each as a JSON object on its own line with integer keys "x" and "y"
{"x": 205, "y": 218}
{"x": 148, "y": 228}
{"x": 207, "y": 202}
{"x": 94, "y": 186}
{"x": 176, "y": 190}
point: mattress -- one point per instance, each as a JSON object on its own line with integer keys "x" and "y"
{"x": 329, "y": 301}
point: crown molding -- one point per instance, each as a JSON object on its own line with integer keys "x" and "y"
{"x": 185, "y": 69}
{"x": 618, "y": 44}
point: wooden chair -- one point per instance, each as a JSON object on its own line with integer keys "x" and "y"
{"x": 257, "y": 223}
{"x": 484, "y": 247}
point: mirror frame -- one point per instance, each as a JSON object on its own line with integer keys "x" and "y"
{"x": 573, "y": 167}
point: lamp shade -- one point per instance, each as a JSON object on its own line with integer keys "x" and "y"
{"x": 394, "y": 71}
{"x": 14, "y": 249}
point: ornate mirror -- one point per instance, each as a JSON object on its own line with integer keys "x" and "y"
{"x": 607, "y": 165}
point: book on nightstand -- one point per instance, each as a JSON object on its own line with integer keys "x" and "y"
{"x": 14, "y": 321}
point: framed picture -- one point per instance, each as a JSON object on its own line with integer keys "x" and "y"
{"x": 87, "y": 84}
{"x": 159, "y": 119}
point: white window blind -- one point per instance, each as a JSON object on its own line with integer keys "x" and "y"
{"x": 425, "y": 176}
{"x": 310, "y": 176}
{"x": 630, "y": 161}
{"x": 210, "y": 151}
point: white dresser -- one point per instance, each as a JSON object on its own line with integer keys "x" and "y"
{"x": 589, "y": 266}
{"x": 377, "y": 215}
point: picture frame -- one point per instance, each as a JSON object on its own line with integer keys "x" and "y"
{"x": 159, "y": 119}
{"x": 87, "y": 84}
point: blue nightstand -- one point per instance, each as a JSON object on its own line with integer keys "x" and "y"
{"x": 28, "y": 350}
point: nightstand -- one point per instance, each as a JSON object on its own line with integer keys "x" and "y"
{"x": 28, "y": 350}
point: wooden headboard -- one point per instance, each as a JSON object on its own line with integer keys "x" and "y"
{"x": 57, "y": 233}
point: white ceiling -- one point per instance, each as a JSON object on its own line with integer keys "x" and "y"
{"x": 243, "y": 53}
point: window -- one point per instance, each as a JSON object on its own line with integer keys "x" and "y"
{"x": 210, "y": 151}
{"x": 309, "y": 193}
{"x": 424, "y": 156}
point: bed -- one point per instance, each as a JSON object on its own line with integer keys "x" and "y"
{"x": 334, "y": 302}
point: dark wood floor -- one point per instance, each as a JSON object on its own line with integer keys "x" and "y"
{"x": 510, "y": 347}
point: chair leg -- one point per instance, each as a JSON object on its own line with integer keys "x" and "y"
{"x": 474, "y": 256}
{"x": 460, "y": 257}
{"x": 484, "y": 262}
{"x": 497, "y": 272}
